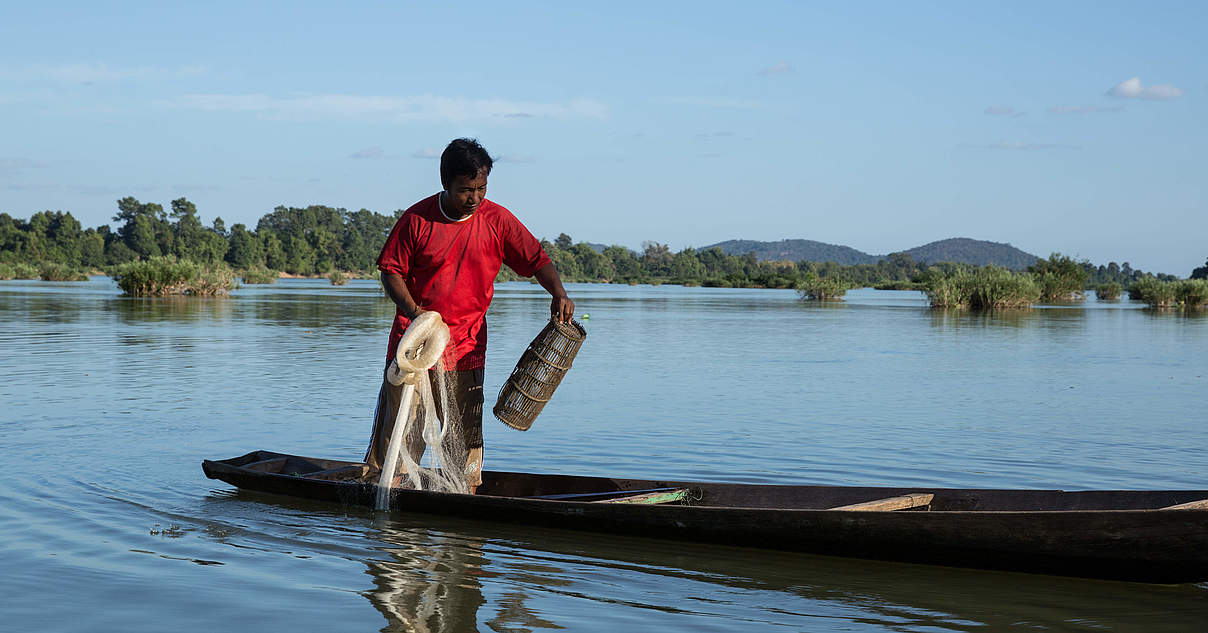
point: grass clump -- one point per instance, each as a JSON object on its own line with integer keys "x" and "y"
{"x": 1109, "y": 291}
{"x": 815, "y": 288}
{"x": 259, "y": 275}
{"x": 1060, "y": 278}
{"x": 19, "y": 270}
{"x": 1192, "y": 293}
{"x": 1153, "y": 292}
{"x": 985, "y": 288}
{"x": 163, "y": 276}
{"x": 53, "y": 271}
{"x": 337, "y": 278}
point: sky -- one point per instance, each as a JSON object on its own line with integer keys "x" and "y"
{"x": 1071, "y": 127}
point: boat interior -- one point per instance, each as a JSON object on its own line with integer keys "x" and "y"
{"x": 570, "y": 488}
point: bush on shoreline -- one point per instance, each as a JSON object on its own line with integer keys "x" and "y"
{"x": 166, "y": 275}
{"x": 337, "y": 278}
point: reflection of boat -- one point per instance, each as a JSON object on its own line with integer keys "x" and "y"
{"x": 1127, "y": 535}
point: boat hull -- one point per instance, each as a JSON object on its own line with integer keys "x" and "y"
{"x": 1121, "y": 535}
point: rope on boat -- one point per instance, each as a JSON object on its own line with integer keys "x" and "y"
{"x": 419, "y": 349}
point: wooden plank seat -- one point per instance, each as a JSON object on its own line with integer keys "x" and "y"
{"x": 889, "y": 504}
{"x": 1201, "y": 504}
{"x": 651, "y": 496}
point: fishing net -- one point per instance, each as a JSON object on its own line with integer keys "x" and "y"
{"x": 418, "y": 426}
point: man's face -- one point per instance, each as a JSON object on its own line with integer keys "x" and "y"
{"x": 465, "y": 193}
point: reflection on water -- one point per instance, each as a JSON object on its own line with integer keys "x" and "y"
{"x": 431, "y": 582}
{"x": 446, "y": 576}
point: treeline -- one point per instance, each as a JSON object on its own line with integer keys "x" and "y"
{"x": 712, "y": 267}
{"x": 321, "y": 240}
{"x": 315, "y": 240}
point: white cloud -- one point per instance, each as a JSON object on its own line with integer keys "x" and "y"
{"x": 1006, "y": 111}
{"x": 426, "y": 152}
{"x": 1085, "y": 109}
{"x": 311, "y": 107}
{"x": 1134, "y": 89}
{"x": 1021, "y": 146}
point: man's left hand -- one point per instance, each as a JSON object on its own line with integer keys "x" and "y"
{"x": 562, "y": 309}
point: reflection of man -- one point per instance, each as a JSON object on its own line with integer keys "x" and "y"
{"x": 443, "y": 254}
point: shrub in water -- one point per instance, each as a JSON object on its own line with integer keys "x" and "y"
{"x": 1060, "y": 278}
{"x": 815, "y": 288}
{"x": 337, "y": 278}
{"x": 60, "y": 272}
{"x": 1155, "y": 293}
{"x": 259, "y": 275}
{"x": 987, "y": 288}
{"x": 1192, "y": 293}
{"x": 162, "y": 276}
{"x": 20, "y": 270}
{"x": 1109, "y": 291}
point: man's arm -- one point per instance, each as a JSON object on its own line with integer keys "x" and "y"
{"x": 560, "y": 307}
{"x": 396, "y": 289}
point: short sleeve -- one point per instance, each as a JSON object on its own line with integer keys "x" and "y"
{"x": 396, "y": 252}
{"x": 521, "y": 251}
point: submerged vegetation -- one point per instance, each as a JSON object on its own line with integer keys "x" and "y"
{"x": 166, "y": 275}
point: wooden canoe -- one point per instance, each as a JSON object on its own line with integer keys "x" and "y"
{"x": 1144, "y": 536}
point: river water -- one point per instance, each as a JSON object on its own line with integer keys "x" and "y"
{"x": 109, "y": 404}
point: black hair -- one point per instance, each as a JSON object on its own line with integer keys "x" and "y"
{"x": 463, "y": 157}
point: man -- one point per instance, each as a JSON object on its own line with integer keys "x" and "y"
{"x": 443, "y": 254}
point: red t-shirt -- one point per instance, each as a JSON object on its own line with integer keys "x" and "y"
{"x": 450, "y": 267}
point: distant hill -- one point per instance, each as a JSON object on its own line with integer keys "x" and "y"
{"x": 795, "y": 251}
{"x": 975, "y": 252}
{"x": 957, "y": 249}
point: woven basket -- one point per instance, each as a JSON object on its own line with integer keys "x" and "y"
{"x": 538, "y": 373}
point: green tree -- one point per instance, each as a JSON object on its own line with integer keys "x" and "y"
{"x": 627, "y": 266}
{"x": 145, "y": 228}
{"x": 685, "y": 267}
{"x": 593, "y": 265}
{"x": 1201, "y": 272}
{"x": 92, "y": 249}
{"x": 656, "y": 259}
{"x": 245, "y": 249}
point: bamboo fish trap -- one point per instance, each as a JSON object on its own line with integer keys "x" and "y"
{"x": 538, "y": 373}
